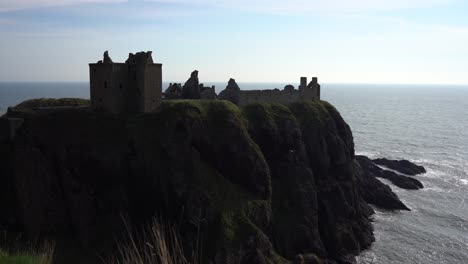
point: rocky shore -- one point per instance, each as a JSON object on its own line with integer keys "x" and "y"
{"x": 266, "y": 183}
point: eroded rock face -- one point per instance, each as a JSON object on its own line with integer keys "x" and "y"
{"x": 403, "y": 166}
{"x": 399, "y": 180}
{"x": 191, "y": 89}
{"x": 402, "y": 181}
{"x": 262, "y": 185}
{"x": 310, "y": 152}
{"x": 374, "y": 191}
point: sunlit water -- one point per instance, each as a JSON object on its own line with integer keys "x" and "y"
{"x": 425, "y": 124}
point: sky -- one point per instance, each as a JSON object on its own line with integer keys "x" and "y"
{"x": 339, "y": 41}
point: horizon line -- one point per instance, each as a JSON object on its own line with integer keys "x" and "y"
{"x": 261, "y": 82}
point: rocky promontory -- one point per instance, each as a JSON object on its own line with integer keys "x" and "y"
{"x": 267, "y": 183}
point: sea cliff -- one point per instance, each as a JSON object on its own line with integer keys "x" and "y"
{"x": 266, "y": 183}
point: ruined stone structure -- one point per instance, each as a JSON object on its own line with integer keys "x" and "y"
{"x": 132, "y": 87}
{"x": 241, "y": 98}
{"x": 192, "y": 89}
{"x": 174, "y": 91}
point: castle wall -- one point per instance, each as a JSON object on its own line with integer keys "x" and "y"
{"x": 153, "y": 86}
{"x": 278, "y": 96}
{"x": 124, "y": 87}
{"x": 286, "y": 96}
{"x": 100, "y": 76}
{"x": 119, "y": 85}
{"x": 268, "y": 96}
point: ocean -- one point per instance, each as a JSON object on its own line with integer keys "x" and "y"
{"x": 427, "y": 124}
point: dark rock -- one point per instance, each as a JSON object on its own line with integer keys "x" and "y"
{"x": 402, "y": 181}
{"x": 191, "y": 89}
{"x": 399, "y": 180}
{"x": 174, "y": 91}
{"x": 403, "y": 166}
{"x": 374, "y": 191}
{"x": 231, "y": 93}
{"x": 260, "y": 185}
{"x": 319, "y": 170}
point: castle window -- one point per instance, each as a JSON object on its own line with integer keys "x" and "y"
{"x": 105, "y": 84}
{"x": 100, "y": 100}
{"x": 134, "y": 77}
{"x": 120, "y": 86}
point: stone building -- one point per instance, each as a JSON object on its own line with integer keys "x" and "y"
{"x": 289, "y": 94}
{"x": 130, "y": 87}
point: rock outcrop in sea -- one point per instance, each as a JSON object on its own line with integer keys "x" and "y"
{"x": 399, "y": 180}
{"x": 402, "y": 166}
{"x": 268, "y": 183}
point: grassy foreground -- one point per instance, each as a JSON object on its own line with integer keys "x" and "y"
{"x": 24, "y": 258}
{"x": 33, "y": 255}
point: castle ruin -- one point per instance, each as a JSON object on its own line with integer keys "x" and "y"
{"x": 289, "y": 94}
{"x": 192, "y": 89}
{"x": 132, "y": 87}
{"x": 135, "y": 87}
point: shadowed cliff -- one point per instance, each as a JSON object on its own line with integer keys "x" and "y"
{"x": 260, "y": 184}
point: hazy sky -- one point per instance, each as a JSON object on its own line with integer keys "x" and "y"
{"x": 359, "y": 41}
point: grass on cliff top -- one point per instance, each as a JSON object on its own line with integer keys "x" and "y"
{"x": 29, "y": 105}
{"x": 24, "y": 258}
{"x": 216, "y": 110}
{"x": 267, "y": 114}
{"x": 312, "y": 113}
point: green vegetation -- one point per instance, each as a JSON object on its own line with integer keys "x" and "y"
{"x": 29, "y": 105}
{"x": 234, "y": 207}
{"x": 26, "y": 257}
{"x": 217, "y": 111}
{"x": 157, "y": 243}
{"x": 311, "y": 113}
{"x": 15, "y": 250}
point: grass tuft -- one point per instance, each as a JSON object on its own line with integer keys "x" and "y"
{"x": 159, "y": 243}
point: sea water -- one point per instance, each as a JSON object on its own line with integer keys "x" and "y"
{"x": 427, "y": 124}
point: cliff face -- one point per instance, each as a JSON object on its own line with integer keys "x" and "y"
{"x": 262, "y": 184}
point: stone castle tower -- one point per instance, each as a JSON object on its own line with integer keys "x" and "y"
{"x": 131, "y": 87}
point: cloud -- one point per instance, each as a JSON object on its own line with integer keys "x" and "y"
{"x": 305, "y": 6}
{"x": 14, "y": 5}
{"x": 259, "y": 6}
